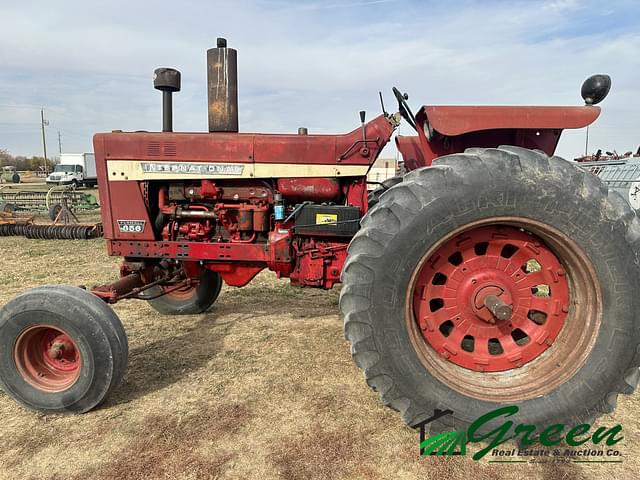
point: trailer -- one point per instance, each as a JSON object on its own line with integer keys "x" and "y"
{"x": 621, "y": 175}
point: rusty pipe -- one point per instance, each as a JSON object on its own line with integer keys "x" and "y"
{"x": 126, "y": 284}
{"x": 180, "y": 213}
{"x": 222, "y": 87}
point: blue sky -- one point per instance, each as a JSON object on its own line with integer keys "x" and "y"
{"x": 309, "y": 63}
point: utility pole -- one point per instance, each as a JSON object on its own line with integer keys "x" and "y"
{"x": 44, "y": 139}
{"x": 586, "y": 143}
{"x": 59, "y": 143}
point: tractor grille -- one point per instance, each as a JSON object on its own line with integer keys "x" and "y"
{"x": 159, "y": 149}
{"x": 153, "y": 149}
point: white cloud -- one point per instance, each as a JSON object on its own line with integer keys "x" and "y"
{"x": 304, "y": 63}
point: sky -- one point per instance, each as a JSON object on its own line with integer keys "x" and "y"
{"x": 309, "y": 63}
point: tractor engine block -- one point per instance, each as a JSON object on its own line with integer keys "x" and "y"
{"x": 204, "y": 211}
{"x": 307, "y": 243}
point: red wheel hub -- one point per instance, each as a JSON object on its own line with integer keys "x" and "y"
{"x": 47, "y": 358}
{"x": 491, "y": 299}
{"x": 184, "y": 293}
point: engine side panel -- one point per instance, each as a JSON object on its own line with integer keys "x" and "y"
{"x": 231, "y": 201}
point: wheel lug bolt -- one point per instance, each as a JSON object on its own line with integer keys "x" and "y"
{"x": 497, "y": 307}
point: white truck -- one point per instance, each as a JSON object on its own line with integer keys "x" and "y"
{"x": 74, "y": 169}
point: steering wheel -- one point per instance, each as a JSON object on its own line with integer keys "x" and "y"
{"x": 405, "y": 111}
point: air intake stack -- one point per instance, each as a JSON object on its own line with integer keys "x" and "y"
{"x": 167, "y": 80}
{"x": 222, "y": 86}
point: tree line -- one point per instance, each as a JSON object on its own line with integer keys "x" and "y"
{"x": 22, "y": 163}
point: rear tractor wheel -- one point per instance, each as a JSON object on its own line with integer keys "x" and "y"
{"x": 496, "y": 277}
{"x": 189, "y": 300}
{"x": 374, "y": 195}
{"x": 61, "y": 349}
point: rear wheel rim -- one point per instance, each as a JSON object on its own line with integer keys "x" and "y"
{"x": 47, "y": 358}
{"x": 546, "y": 339}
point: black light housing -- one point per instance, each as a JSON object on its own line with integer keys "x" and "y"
{"x": 595, "y": 88}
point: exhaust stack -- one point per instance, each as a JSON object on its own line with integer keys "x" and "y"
{"x": 222, "y": 86}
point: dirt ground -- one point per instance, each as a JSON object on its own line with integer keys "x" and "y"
{"x": 261, "y": 386}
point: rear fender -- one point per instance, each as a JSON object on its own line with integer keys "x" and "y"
{"x": 447, "y": 130}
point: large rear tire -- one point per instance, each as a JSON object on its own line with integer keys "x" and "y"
{"x": 188, "y": 301}
{"x": 62, "y": 349}
{"x": 374, "y": 195}
{"x": 548, "y": 239}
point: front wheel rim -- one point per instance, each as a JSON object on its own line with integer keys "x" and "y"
{"x": 47, "y": 358}
{"x": 544, "y": 352}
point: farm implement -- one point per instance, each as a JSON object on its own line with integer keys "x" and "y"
{"x": 59, "y": 203}
{"x": 492, "y": 273}
{"x": 16, "y": 227}
{"x": 49, "y": 201}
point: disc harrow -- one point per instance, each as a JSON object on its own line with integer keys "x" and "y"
{"x": 51, "y": 232}
{"x": 11, "y": 226}
{"x": 61, "y": 232}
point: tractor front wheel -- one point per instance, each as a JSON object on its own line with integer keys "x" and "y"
{"x": 189, "y": 300}
{"x": 496, "y": 277}
{"x": 62, "y": 349}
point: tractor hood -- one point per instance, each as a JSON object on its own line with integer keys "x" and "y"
{"x": 451, "y": 121}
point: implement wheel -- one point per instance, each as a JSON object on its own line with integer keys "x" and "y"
{"x": 61, "y": 349}
{"x": 496, "y": 277}
{"x": 191, "y": 300}
{"x": 7, "y": 207}
{"x": 54, "y": 210}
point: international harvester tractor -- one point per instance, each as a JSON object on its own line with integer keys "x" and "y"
{"x": 490, "y": 273}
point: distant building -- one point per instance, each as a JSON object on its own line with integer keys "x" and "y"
{"x": 382, "y": 169}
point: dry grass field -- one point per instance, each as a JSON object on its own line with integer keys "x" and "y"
{"x": 261, "y": 386}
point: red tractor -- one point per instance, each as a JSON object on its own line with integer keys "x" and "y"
{"x": 491, "y": 273}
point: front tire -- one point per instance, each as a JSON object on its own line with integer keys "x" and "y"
{"x": 62, "y": 349}
{"x": 188, "y": 301}
{"x": 418, "y": 325}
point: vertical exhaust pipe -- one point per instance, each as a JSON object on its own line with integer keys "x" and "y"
{"x": 222, "y": 86}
